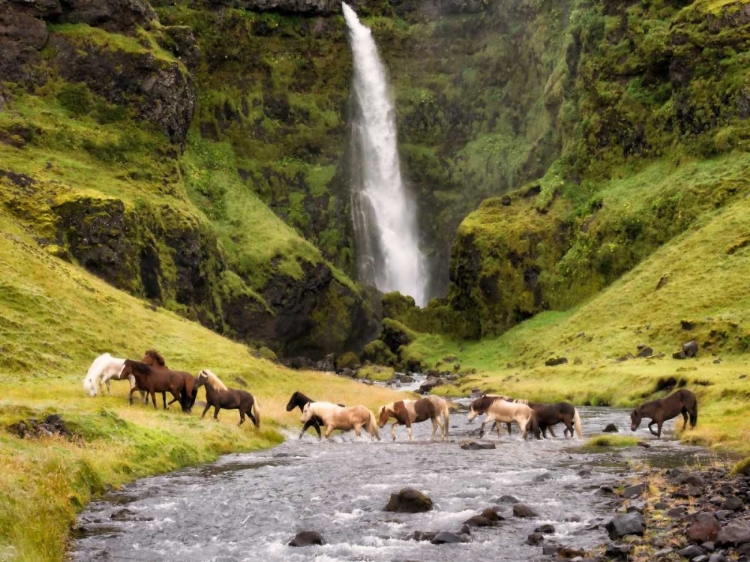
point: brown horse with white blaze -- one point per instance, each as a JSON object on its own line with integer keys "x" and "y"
{"x": 334, "y": 416}
{"x": 221, "y": 396}
{"x": 658, "y": 411}
{"x": 407, "y": 412}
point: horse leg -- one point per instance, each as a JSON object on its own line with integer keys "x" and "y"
{"x": 393, "y": 429}
{"x": 357, "y": 430}
{"x": 153, "y": 399}
{"x": 658, "y": 428}
{"x": 435, "y": 423}
{"x": 651, "y": 428}
{"x": 208, "y": 405}
{"x": 498, "y": 429}
{"x": 242, "y": 418}
{"x": 216, "y": 412}
{"x": 329, "y": 429}
{"x": 130, "y": 396}
{"x": 164, "y": 399}
{"x": 408, "y": 429}
{"x": 684, "y": 418}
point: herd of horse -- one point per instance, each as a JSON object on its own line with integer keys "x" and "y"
{"x": 151, "y": 376}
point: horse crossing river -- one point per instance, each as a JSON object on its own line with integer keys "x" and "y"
{"x": 247, "y": 507}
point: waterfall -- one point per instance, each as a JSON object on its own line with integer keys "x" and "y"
{"x": 383, "y": 215}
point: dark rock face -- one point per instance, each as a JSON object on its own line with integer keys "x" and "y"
{"x": 307, "y": 538}
{"x": 623, "y": 525}
{"x": 306, "y": 7}
{"x": 112, "y": 15}
{"x": 22, "y": 36}
{"x": 409, "y": 500}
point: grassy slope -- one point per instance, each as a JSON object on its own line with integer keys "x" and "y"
{"x": 54, "y": 319}
{"x": 707, "y": 269}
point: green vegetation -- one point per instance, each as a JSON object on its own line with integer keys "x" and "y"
{"x": 742, "y": 467}
{"x": 54, "y": 320}
{"x": 375, "y": 373}
{"x": 609, "y": 441}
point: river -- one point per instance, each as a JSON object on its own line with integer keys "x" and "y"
{"x": 247, "y": 507}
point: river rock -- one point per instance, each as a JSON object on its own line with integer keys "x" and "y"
{"x": 523, "y": 511}
{"x": 691, "y": 479}
{"x": 479, "y": 521}
{"x": 732, "y": 504}
{"x": 717, "y": 557}
{"x": 427, "y": 386}
{"x": 505, "y": 499}
{"x": 691, "y": 552}
{"x": 633, "y": 491}
{"x": 545, "y": 529}
{"x": 627, "y": 524}
{"x": 409, "y": 500}
{"x": 734, "y": 534}
{"x": 535, "y": 538}
{"x": 476, "y": 446}
{"x": 307, "y": 538}
{"x": 445, "y": 537}
{"x": 611, "y": 428}
{"x": 618, "y": 551}
{"x": 645, "y": 352}
{"x": 421, "y": 536}
{"x": 704, "y": 528}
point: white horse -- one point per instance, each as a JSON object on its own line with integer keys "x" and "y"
{"x": 498, "y": 410}
{"x": 339, "y": 417}
{"x": 104, "y": 368}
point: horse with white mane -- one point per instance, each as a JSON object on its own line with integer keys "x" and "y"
{"x": 221, "y": 396}
{"x": 499, "y": 410}
{"x": 102, "y": 370}
{"x": 339, "y": 417}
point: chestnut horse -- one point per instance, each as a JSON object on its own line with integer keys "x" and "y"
{"x": 220, "y": 396}
{"x": 338, "y": 417}
{"x": 407, "y": 412}
{"x": 152, "y": 381}
{"x": 154, "y": 359}
{"x": 499, "y": 410}
{"x": 548, "y": 415}
{"x": 298, "y": 400}
{"x": 658, "y": 411}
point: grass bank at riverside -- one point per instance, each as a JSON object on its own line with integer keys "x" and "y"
{"x": 692, "y": 288}
{"x": 54, "y": 319}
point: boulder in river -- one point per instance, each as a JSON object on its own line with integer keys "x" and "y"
{"x": 523, "y": 511}
{"x": 735, "y": 533}
{"x": 307, "y": 538}
{"x": 627, "y": 524}
{"x": 421, "y": 536}
{"x": 633, "y": 491}
{"x": 445, "y": 537}
{"x": 535, "y": 539}
{"x": 611, "y": 428}
{"x": 704, "y": 528}
{"x": 409, "y": 500}
{"x": 618, "y": 551}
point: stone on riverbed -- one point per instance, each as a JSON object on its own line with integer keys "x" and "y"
{"x": 691, "y": 552}
{"x": 627, "y": 524}
{"x": 307, "y": 538}
{"x": 409, "y": 500}
{"x": 633, "y": 491}
{"x": 611, "y": 428}
{"x": 520, "y": 510}
{"x": 421, "y": 536}
{"x": 476, "y": 446}
{"x": 445, "y": 537}
{"x": 735, "y": 533}
{"x": 704, "y": 528}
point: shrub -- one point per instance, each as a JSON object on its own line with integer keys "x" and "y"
{"x": 348, "y": 360}
{"x": 377, "y": 352}
{"x": 76, "y": 98}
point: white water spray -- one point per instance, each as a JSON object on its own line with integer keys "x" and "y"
{"x": 384, "y": 217}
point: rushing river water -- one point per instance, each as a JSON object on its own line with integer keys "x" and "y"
{"x": 247, "y": 507}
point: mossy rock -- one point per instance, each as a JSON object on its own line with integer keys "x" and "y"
{"x": 376, "y": 373}
{"x": 348, "y": 360}
{"x": 742, "y": 467}
{"x": 378, "y": 352}
{"x": 394, "y": 334}
{"x": 268, "y": 354}
{"x": 411, "y": 360}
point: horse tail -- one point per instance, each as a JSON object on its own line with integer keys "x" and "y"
{"x": 184, "y": 398}
{"x": 373, "y": 425}
{"x": 256, "y": 412}
{"x": 534, "y": 424}
{"x": 694, "y": 414}
{"x": 577, "y": 423}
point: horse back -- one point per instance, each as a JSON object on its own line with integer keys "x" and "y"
{"x": 424, "y": 409}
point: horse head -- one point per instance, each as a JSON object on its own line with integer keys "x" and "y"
{"x": 307, "y": 412}
{"x": 153, "y": 358}
{"x": 635, "y": 419}
{"x": 384, "y": 414}
{"x": 295, "y": 401}
{"x": 201, "y": 379}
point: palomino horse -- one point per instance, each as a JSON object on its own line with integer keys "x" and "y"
{"x": 443, "y": 411}
{"x": 104, "y": 368}
{"x": 681, "y": 402}
{"x": 548, "y": 415}
{"x": 407, "y": 412}
{"x": 220, "y": 396}
{"x": 499, "y": 410}
{"x": 152, "y": 381}
{"x": 298, "y": 400}
{"x": 153, "y": 359}
{"x": 338, "y": 417}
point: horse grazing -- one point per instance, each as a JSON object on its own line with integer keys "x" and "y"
{"x": 103, "y": 368}
{"x": 152, "y": 381}
{"x": 499, "y": 410}
{"x": 154, "y": 359}
{"x": 334, "y": 416}
{"x": 220, "y": 396}
{"x": 407, "y": 412}
{"x": 298, "y": 400}
{"x": 658, "y": 411}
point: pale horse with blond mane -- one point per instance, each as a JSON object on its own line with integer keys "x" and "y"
{"x": 344, "y": 418}
{"x": 102, "y": 370}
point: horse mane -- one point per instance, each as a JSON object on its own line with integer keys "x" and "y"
{"x": 483, "y": 402}
{"x": 156, "y": 356}
{"x": 142, "y": 368}
{"x": 213, "y": 381}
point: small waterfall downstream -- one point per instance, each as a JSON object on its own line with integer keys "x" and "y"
{"x": 384, "y": 216}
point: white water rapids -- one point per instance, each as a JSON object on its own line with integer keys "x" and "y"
{"x": 384, "y": 216}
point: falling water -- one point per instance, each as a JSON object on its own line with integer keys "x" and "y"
{"x": 384, "y": 217}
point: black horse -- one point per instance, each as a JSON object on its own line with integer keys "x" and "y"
{"x": 298, "y": 400}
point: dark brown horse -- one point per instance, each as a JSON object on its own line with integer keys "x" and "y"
{"x": 220, "y": 396}
{"x": 548, "y": 415}
{"x": 298, "y": 400}
{"x": 658, "y": 411}
{"x": 154, "y": 359}
{"x": 152, "y": 381}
